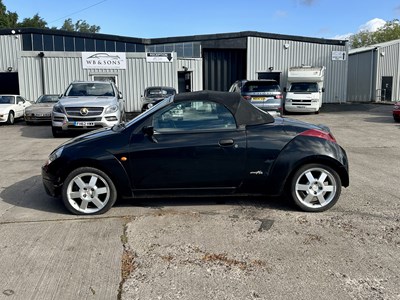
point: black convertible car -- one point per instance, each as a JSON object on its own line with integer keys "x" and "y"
{"x": 201, "y": 143}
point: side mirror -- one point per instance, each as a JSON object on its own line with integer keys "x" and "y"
{"x": 323, "y": 89}
{"x": 149, "y": 132}
{"x": 119, "y": 95}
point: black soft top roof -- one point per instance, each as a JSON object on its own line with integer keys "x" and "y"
{"x": 245, "y": 113}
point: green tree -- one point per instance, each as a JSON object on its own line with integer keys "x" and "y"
{"x": 36, "y": 21}
{"x": 7, "y": 19}
{"x": 80, "y": 26}
{"x": 389, "y": 32}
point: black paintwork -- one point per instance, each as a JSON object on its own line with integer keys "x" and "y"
{"x": 257, "y": 157}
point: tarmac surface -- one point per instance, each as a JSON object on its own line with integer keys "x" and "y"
{"x": 207, "y": 248}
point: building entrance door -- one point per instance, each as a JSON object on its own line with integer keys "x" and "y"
{"x": 386, "y": 90}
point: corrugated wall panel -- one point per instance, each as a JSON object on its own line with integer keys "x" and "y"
{"x": 361, "y": 77}
{"x": 389, "y": 65}
{"x": 281, "y": 54}
{"x": 9, "y": 48}
{"x": 195, "y": 66}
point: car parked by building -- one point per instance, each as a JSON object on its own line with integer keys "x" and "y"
{"x": 154, "y": 94}
{"x": 87, "y": 105}
{"x": 265, "y": 94}
{"x": 40, "y": 110}
{"x": 218, "y": 143}
{"x": 12, "y": 107}
{"x": 396, "y": 112}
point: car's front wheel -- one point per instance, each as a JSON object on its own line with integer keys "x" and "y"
{"x": 315, "y": 187}
{"x": 88, "y": 191}
{"x": 11, "y": 118}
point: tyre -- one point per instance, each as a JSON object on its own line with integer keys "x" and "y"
{"x": 56, "y": 131}
{"x": 11, "y": 118}
{"x": 396, "y": 119}
{"x": 315, "y": 187}
{"x": 88, "y": 191}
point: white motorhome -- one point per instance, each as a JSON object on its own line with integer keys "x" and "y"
{"x": 305, "y": 86}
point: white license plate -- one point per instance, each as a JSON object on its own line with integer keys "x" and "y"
{"x": 84, "y": 123}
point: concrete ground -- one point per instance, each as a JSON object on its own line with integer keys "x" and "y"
{"x": 203, "y": 248}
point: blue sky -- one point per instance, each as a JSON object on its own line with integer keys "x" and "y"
{"x": 156, "y": 18}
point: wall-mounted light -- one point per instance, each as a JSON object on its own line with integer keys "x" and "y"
{"x": 9, "y": 69}
{"x": 286, "y": 46}
{"x": 382, "y": 53}
{"x": 271, "y": 69}
{"x": 185, "y": 68}
{"x": 41, "y": 54}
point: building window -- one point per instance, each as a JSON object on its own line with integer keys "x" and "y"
{"x": 37, "y": 42}
{"x": 48, "y": 42}
{"x": 89, "y": 45}
{"x": 58, "y": 43}
{"x": 79, "y": 44}
{"x": 130, "y": 47}
{"x": 120, "y": 47}
{"x": 110, "y": 46}
{"x": 27, "y": 42}
{"x": 100, "y": 46}
{"x": 140, "y": 48}
{"x": 69, "y": 43}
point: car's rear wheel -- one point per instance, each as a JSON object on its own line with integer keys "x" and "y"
{"x": 11, "y": 118}
{"x": 88, "y": 191}
{"x": 397, "y": 119}
{"x": 315, "y": 187}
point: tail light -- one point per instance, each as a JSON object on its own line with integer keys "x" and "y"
{"x": 319, "y": 134}
{"x": 278, "y": 97}
{"x": 247, "y": 97}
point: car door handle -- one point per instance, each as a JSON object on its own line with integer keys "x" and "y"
{"x": 226, "y": 142}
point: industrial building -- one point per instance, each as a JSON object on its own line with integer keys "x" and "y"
{"x": 374, "y": 73}
{"x": 44, "y": 61}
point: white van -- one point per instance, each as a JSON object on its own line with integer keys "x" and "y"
{"x": 305, "y": 86}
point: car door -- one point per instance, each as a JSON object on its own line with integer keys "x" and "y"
{"x": 195, "y": 144}
{"x": 20, "y": 107}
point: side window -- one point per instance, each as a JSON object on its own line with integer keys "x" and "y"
{"x": 194, "y": 115}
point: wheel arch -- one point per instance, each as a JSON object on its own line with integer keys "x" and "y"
{"x": 111, "y": 167}
{"x": 318, "y": 159}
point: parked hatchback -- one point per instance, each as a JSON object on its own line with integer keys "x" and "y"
{"x": 265, "y": 94}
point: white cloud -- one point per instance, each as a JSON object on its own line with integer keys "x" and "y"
{"x": 372, "y": 25}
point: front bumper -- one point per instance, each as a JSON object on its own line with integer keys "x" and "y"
{"x": 52, "y": 185}
{"x": 3, "y": 117}
{"x": 63, "y": 122}
{"x": 36, "y": 118}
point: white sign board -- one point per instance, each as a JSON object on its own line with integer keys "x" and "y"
{"x": 104, "y": 60}
{"x": 338, "y": 55}
{"x": 159, "y": 57}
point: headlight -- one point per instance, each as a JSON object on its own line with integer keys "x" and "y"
{"x": 150, "y": 105}
{"x": 55, "y": 154}
{"x": 396, "y": 107}
{"x": 111, "y": 109}
{"x": 58, "y": 108}
{"x": 288, "y": 100}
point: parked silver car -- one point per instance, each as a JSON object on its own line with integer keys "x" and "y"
{"x": 265, "y": 94}
{"x": 87, "y": 105}
{"x": 40, "y": 111}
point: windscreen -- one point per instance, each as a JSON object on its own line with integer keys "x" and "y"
{"x": 259, "y": 86}
{"x": 159, "y": 92}
{"x": 90, "y": 89}
{"x": 304, "y": 87}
